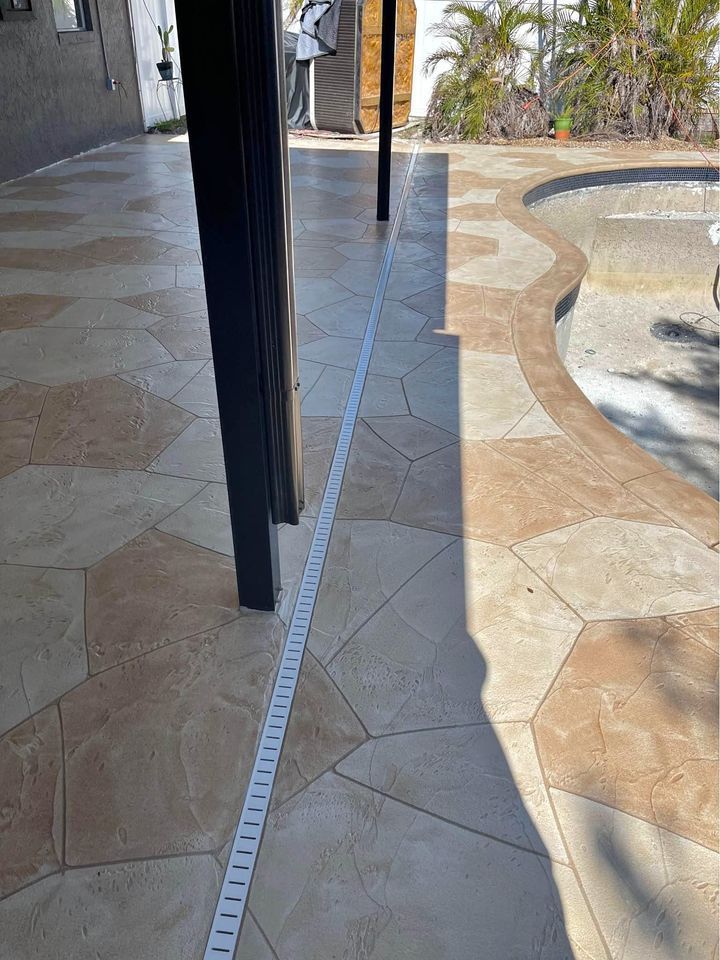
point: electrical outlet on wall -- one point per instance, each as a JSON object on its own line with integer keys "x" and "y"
{"x": 111, "y": 84}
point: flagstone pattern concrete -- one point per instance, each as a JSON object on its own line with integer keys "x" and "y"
{"x": 504, "y": 742}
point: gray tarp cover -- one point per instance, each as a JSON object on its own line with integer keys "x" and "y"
{"x": 297, "y": 85}
{"x": 318, "y": 29}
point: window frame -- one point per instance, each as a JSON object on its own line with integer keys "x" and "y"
{"x": 82, "y": 8}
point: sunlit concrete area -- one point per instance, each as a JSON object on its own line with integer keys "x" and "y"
{"x": 504, "y": 740}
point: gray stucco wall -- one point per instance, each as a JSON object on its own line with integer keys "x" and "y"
{"x": 54, "y": 101}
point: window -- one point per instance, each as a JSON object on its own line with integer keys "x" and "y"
{"x": 70, "y": 15}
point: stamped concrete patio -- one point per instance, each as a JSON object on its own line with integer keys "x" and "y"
{"x": 504, "y": 744}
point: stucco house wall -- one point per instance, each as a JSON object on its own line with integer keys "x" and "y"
{"x": 55, "y": 101}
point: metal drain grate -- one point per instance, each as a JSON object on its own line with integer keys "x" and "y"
{"x": 230, "y": 909}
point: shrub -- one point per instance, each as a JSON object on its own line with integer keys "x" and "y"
{"x": 641, "y": 68}
{"x": 480, "y": 94}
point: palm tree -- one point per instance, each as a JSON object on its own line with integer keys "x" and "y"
{"x": 484, "y": 50}
{"x": 638, "y": 67}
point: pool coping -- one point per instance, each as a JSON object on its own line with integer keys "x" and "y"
{"x": 535, "y": 347}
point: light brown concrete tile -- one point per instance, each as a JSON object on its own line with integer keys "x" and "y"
{"x": 436, "y": 653}
{"x": 610, "y": 569}
{"x": 252, "y": 944}
{"x": 105, "y": 423}
{"x": 368, "y": 561}
{"x": 29, "y": 309}
{"x": 54, "y": 260}
{"x": 158, "y": 750}
{"x": 20, "y": 400}
{"x": 691, "y": 509}
{"x": 702, "y": 625}
{"x": 42, "y": 626}
{"x": 140, "y": 910}
{"x": 471, "y": 490}
{"x": 196, "y": 453}
{"x": 484, "y": 777}
{"x": 322, "y": 730}
{"x": 654, "y": 894}
{"x": 373, "y": 479}
{"x": 31, "y": 791}
{"x": 55, "y": 355}
{"x": 36, "y": 220}
{"x": 624, "y": 677}
{"x": 74, "y": 516}
{"x": 560, "y": 461}
{"x": 101, "y": 313}
{"x": 136, "y": 250}
{"x": 177, "y": 588}
{"x": 16, "y": 437}
{"x": 396, "y": 875}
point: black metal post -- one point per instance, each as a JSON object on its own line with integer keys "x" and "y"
{"x": 235, "y": 108}
{"x": 387, "y": 92}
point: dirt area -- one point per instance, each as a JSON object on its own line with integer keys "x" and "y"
{"x": 662, "y": 393}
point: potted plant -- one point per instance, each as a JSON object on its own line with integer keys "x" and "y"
{"x": 165, "y": 66}
{"x": 562, "y": 125}
{"x": 562, "y": 118}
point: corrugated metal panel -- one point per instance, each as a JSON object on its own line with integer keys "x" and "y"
{"x": 336, "y": 105}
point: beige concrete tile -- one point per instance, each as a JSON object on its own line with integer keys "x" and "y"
{"x": 319, "y": 435}
{"x": 653, "y": 893}
{"x": 368, "y": 561}
{"x": 252, "y": 945}
{"x": 411, "y": 437}
{"x": 42, "y": 626}
{"x": 396, "y": 359}
{"x": 345, "y": 319}
{"x": 200, "y": 395}
{"x": 178, "y": 589}
{"x": 53, "y": 356}
{"x": 313, "y": 294}
{"x": 436, "y": 653}
{"x": 329, "y": 394}
{"x": 31, "y": 790}
{"x": 477, "y": 396}
{"x": 399, "y": 322}
{"x": 484, "y": 777}
{"x": 105, "y": 423}
{"x": 197, "y": 453}
{"x": 140, "y": 910}
{"x": 322, "y": 730}
{"x": 186, "y": 337}
{"x": 619, "y": 568}
{"x": 74, "y": 516}
{"x": 624, "y": 677}
{"x": 204, "y": 520}
{"x": 383, "y": 397}
{"x": 170, "y": 302}
{"x": 535, "y": 423}
{"x": 398, "y": 877}
{"x": 158, "y": 750}
{"x": 337, "y": 351}
{"x": 165, "y": 379}
{"x": 373, "y": 479}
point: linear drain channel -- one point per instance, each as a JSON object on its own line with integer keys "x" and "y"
{"x": 238, "y": 874}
